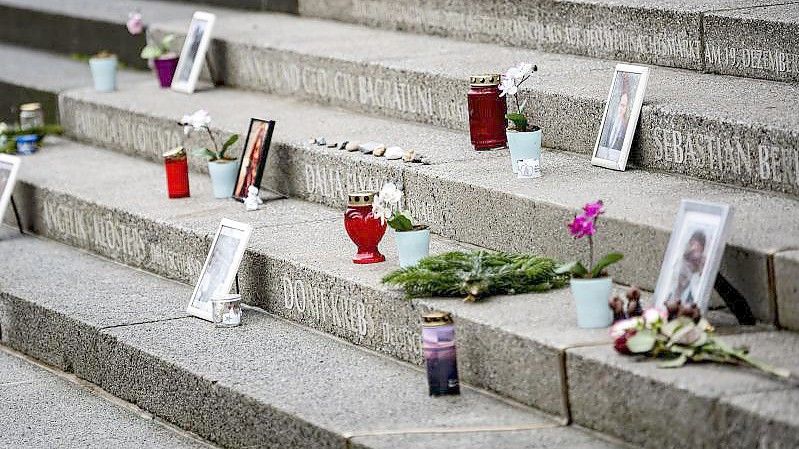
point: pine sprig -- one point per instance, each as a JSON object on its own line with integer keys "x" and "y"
{"x": 477, "y": 274}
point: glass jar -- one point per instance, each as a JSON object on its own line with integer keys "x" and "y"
{"x": 364, "y": 229}
{"x": 487, "y": 110}
{"x": 176, "y": 165}
{"x": 31, "y": 116}
{"x": 438, "y": 345}
{"x": 226, "y": 310}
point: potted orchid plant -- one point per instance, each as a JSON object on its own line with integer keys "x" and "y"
{"x": 591, "y": 286}
{"x": 159, "y": 52}
{"x": 222, "y": 168}
{"x": 524, "y": 140}
{"x": 413, "y": 240}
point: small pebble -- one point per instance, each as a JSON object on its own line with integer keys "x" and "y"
{"x": 394, "y": 153}
{"x": 321, "y": 141}
{"x": 332, "y": 145}
{"x": 352, "y": 146}
{"x": 369, "y": 147}
{"x": 312, "y": 141}
{"x": 343, "y": 145}
{"x": 379, "y": 151}
{"x": 409, "y": 155}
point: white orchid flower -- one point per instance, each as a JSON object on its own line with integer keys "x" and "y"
{"x": 524, "y": 69}
{"x": 390, "y": 195}
{"x": 514, "y": 73}
{"x": 379, "y": 210}
{"x": 508, "y": 87}
{"x": 3, "y": 127}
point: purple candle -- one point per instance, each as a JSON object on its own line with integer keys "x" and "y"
{"x": 438, "y": 343}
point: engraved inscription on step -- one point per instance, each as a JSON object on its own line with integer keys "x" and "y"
{"x": 133, "y": 132}
{"x": 114, "y": 239}
{"x": 746, "y": 161}
{"x": 757, "y": 59}
{"x": 320, "y": 305}
{"x": 281, "y": 74}
{"x": 333, "y": 182}
{"x": 590, "y": 38}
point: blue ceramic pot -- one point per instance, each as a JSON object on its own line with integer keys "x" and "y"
{"x": 526, "y": 145}
{"x": 591, "y": 297}
{"x": 412, "y": 246}
{"x": 104, "y": 73}
{"x": 223, "y": 177}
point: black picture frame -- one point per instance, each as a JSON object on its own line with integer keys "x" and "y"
{"x": 241, "y": 185}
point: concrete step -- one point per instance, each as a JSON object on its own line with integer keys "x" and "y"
{"x": 86, "y": 27}
{"x": 460, "y": 193}
{"x": 43, "y": 408}
{"x": 524, "y": 347}
{"x": 287, "y": 6}
{"x": 696, "y": 124}
{"x": 753, "y": 38}
{"x": 268, "y": 383}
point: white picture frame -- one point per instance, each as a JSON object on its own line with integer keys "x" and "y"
{"x": 221, "y": 266}
{"x": 615, "y": 136}
{"x": 192, "y": 55}
{"x": 9, "y": 167}
{"x": 687, "y": 273}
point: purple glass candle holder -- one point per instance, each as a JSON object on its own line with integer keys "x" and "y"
{"x": 165, "y": 68}
{"x": 438, "y": 344}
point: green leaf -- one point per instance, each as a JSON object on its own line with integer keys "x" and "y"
{"x": 400, "y": 222}
{"x": 606, "y": 261}
{"x": 230, "y": 141}
{"x": 575, "y": 268}
{"x": 670, "y": 328}
{"x": 166, "y": 42}
{"x": 519, "y": 121}
{"x": 641, "y": 342}
{"x": 206, "y": 153}
{"x": 675, "y": 362}
{"x": 151, "y": 51}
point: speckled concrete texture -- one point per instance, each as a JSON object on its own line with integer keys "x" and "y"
{"x": 42, "y": 411}
{"x": 757, "y": 42}
{"x": 713, "y": 401}
{"x": 786, "y": 275}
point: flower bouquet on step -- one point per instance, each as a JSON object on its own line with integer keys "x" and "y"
{"x": 686, "y": 337}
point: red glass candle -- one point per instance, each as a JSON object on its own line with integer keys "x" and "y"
{"x": 364, "y": 229}
{"x": 177, "y": 173}
{"x": 487, "y": 113}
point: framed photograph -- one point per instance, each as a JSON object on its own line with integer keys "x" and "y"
{"x": 192, "y": 56}
{"x": 253, "y": 159}
{"x": 694, "y": 254}
{"x": 220, "y": 267}
{"x": 9, "y": 166}
{"x": 620, "y": 118}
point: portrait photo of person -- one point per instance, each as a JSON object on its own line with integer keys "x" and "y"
{"x": 253, "y": 159}
{"x": 221, "y": 266}
{"x": 619, "y": 121}
{"x": 192, "y": 55}
{"x": 693, "y": 256}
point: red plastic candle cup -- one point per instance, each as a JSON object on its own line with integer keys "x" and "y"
{"x": 487, "y": 110}
{"x": 165, "y": 68}
{"x": 364, "y": 229}
{"x": 177, "y": 173}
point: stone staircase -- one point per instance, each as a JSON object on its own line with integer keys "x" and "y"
{"x": 293, "y": 377}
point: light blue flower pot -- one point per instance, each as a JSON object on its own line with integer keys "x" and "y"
{"x": 412, "y": 246}
{"x": 526, "y": 145}
{"x": 104, "y": 73}
{"x": 591, "y": 297}
{"x": 223, "y": 177}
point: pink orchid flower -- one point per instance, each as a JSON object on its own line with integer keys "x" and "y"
{"x": 135, "y": 23}
{"x": 593, "y": 210}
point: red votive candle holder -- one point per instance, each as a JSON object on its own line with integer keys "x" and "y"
{"x": 487, "y": 110}
{"x": 177, "y": 173}
{"x": 364, "y": 228}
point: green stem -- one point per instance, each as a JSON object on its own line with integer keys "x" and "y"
{"x": 216, "y": 147}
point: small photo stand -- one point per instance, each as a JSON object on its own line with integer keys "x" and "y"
{"x": 192, "y": 56}
{"x": 694, "y": 254}
{"x": 253, "y": 159}
{"x": 9, "y": 167}
{"x": 622, "y": 109}
{"x": 221, "y": 266}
